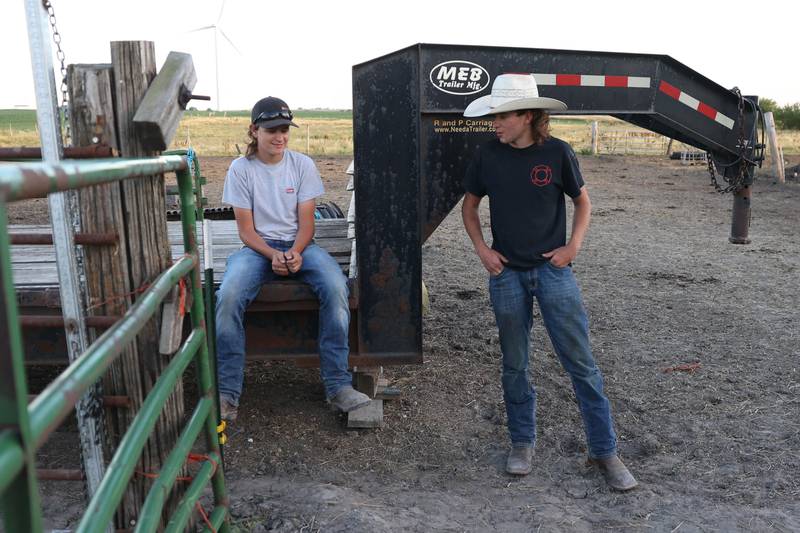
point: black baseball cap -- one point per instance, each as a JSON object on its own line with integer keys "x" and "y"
{"x": 271, "y": 112}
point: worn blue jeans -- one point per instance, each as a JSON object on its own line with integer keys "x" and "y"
{"x": 564, "y": 317}
{"x": 246, "y": 271}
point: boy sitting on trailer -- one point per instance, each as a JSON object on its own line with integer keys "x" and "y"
{"x": 272, "y": 191}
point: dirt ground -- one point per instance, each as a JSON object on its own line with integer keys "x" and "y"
{"x": 714, "y": 449}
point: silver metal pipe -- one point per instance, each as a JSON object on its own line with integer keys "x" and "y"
{"x": 70, "y": 270}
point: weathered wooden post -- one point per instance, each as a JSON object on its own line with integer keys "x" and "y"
{"x": 107, "y": 280}
{"x": 157, "y": 116}
{"x": 144, "y": 215}
{"x": 108, "y": 273}
{"x": 774, "y": 147}
{"x": 594, "y": 137}
{"x": 135, "y": 211}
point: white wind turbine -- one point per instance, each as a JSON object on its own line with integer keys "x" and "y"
{"x": 217, "y": 30}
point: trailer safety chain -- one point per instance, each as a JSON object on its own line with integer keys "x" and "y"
{"x": 734, "y": 184}
{"x": 61, "y": 58}
{"x": 737, "y": 182}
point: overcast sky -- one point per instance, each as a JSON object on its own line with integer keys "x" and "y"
{"x": 303, "y": 51}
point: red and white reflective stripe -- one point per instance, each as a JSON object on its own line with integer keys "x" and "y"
{"x": 592, "y": 80}
{"x": 694, "y": 103}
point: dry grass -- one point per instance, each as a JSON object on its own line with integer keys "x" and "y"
{"x": 789, "y": 141}
{"x": 15, "y": 137}
{"x": 220, "y": 136}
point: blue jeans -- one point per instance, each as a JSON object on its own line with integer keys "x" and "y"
{"x": 247, "y": 270}
{"x": 564, "y": 318}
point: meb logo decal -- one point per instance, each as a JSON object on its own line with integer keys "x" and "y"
{"x": 459, "y": 77}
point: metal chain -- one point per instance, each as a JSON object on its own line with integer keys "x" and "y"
{"x": 72, "y": 197}
{"x": 61, "y": 58}
{"x": 737, "y": 182}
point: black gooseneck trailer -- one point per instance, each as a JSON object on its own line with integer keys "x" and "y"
{"x": 412, "y": 146}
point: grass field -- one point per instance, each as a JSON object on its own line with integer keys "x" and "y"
{"x": 320, "y": 132}
{"x": 220, "y": 135}
{"x": 330, "y": 133}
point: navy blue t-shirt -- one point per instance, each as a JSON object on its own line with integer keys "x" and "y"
{"x": 526, "y": 188}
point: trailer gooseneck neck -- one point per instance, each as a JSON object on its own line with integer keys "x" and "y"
{"x": 412, "y": 145}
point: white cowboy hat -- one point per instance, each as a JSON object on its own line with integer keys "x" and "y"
{"x": 512, "y": 92}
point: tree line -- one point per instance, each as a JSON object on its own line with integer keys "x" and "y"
{"x": 787, "y": 117}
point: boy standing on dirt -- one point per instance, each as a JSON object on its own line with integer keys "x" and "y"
{"x": 272, "y": 190}
{"x": 526, "y": 173}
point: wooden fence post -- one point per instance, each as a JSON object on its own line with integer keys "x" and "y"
{"x": 774, "y": 147}
{"x": 108, "y": 282}
{"x": 145, "y": 223}
{"x": 594, "y": 137}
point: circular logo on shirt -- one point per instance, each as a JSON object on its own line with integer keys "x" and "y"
{"x": 541, "y": 175}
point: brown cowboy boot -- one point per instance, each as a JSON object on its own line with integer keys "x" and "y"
{"x": 616, "y": 473}
{"x": 519, "y": 461}
{"x": 228, "y": 411}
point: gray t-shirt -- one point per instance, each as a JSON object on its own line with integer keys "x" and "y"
{"x": 272, "y": 192}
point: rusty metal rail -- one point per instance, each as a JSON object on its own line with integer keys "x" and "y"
{"x": 92, "y": 239}
{"x": 22, "y": 153}
{"x": 57, "y": 321}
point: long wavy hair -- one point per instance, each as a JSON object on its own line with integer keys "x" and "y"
{"x": 540, "y": 125}
{"x": 252, "y": 146}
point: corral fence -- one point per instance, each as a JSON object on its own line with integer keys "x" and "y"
{"x": 25, "y": 428}
{"x": 613, "y": 138}
{"x": 624, "y": 141}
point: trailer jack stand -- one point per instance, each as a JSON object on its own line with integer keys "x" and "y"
{"x": 740, "y": 223}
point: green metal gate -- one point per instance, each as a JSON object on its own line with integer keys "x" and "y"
{"x": 24, "y": 428}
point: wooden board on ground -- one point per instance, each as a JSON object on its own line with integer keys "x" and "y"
{"x": 366, "y": 380}
{"x": 369, "y": 416}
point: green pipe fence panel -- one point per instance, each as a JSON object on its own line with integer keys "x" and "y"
{"x": 20, "y": 503}
{"x": 101, "y": 509}
{"x": 150, "y": 514}
{"x": 52, "y": 406}
{"x": 24, "y": 428}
